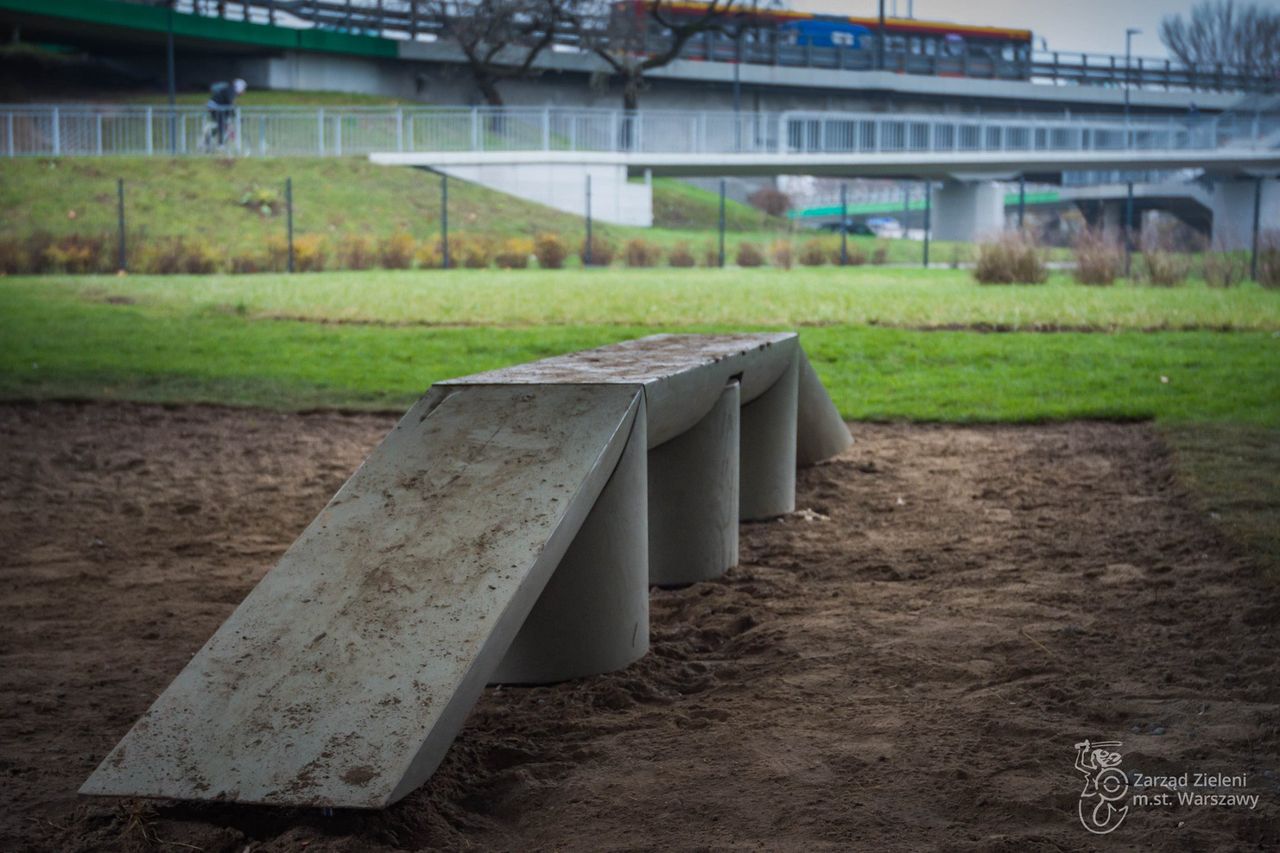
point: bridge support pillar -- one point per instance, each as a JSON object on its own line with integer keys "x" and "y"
{"x": 968, "y": 210}
{"x": 1233, "y": 211}
{"x": 593, "y": 615}
{"x": 693, "y": 498}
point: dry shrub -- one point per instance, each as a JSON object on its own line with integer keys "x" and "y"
{"x": 355, "y": 252}
{"x": 277, "y": 253}
{"x": 178, "y": 255}
{"x": 550, "y": 251}
{"x": 23, "y": 255}
{"x": 1099, "y": 259}
{"x": 813, "y": 253}
{"x": 396, "y": 252}
{"x": 310, "y": 253}
{"x": 638, "y": 252}
{"x": 782, "y": 257}
{"x": 749, "y": 255}
{"x": 77, "y": 253}
{"x": 880, "y": 254}
{"x": 771, "y": 200}
{"x": 1225, "y": 269}
{"x": 1163, "y": 268}
{"x": 681, "y": 256}
{"x": 711, "y": 255}
{"x": 854, "y": 256}
{"x": 1269, "y": 259}
{"x": 1012, "y": 258}
{"x": 514, "y": 253}
{"x": 471, "y": 251}
{"x": 428, "y": 256}
{"x": 244, "y": 263}
{"x": 603, "y": 251}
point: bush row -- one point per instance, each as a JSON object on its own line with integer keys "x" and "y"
{"x": 1015, "y": 258}
{"x": 43, "y": 253}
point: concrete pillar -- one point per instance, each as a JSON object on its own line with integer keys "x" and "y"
{"x": 1233, "y": 212}
{"x": 693, "y": 498}
{"x": 968, "y": 211}
{"x": 820, "y": 431}
{"x": 593, "y": 615}
{"x": 768, "y": 441}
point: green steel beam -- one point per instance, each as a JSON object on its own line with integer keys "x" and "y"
{"x": 155, "y": 19}
{"x": 1010, "y": 200}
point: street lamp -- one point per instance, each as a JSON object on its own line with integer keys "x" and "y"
{"x": 1128, "y": 54}
{"x": 1128, "y": 143}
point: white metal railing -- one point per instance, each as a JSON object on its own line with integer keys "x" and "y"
{"x": 99, "y": 130}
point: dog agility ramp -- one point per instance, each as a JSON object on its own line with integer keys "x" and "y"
{"x": 500, "y": 532}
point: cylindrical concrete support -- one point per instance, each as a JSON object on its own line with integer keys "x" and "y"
{"x": 593, "y": 615}
{"x": 820, "y": 431}
{"x": 968, "y": 211}
{"x": 767, "y": 480}
{"x": 693, "y": 498}
{"x": 1233, "y": 203}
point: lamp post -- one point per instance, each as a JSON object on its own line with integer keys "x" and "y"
{"x": 1128, "y": 143}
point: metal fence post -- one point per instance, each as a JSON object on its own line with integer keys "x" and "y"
{"x": 928, "y": 218}
{"x": 475, "y": 128}
{"x": 1257, "y": 212}
{"x": 57, "y": 132}
{"x": 1022, "y": 199}
{"x": 546, "y": 129}
{"x": 150, "y": 140}
{"x": 722, "y": 223}
{"x": 444, "y": 220}
{"x": 320, "y": 131}
{"x": 288, "y": 206}
{"x": 844, "y": 224}
{"x": 399, "y": 129}
{"x": 122, "y": 260}
{"x": 586, "y": 249}
{"x": 9, "y": 136}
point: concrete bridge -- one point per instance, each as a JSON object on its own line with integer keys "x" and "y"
{"x": 966, "y": 155}
{"x": 376, "y": 49}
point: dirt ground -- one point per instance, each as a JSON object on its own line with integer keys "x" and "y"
{"x": 906, "y": 664}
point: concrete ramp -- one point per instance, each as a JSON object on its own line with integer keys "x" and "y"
{"x": 346, "y": 673}
{"x": 507, "y": 529}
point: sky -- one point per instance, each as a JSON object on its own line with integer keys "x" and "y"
{"x": 1093, "y": 26}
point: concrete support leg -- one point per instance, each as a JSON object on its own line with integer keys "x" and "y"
{"x": 768, "y": 458}
{"x": 693, "y": 498}
{"x": 820, "y": 431}
{"x": 968, "y": 211}
{"x": 1233, "y": 212}
{"x": 593, "y": 615}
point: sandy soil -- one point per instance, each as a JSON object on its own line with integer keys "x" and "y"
{"x": 904, "y": 665}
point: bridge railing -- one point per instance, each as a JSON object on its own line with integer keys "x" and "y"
{"x": 100, "y": 130}
{"x": 413, "y": 20}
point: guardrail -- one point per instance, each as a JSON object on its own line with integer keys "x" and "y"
{"x": 413, "y": 20}
{"x": 101, "y": 130}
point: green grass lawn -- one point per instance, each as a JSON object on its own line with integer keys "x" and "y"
{"x": 1215, "y": 394}
{"x": 215, "y": 339}
{"x": 664, "y": 297}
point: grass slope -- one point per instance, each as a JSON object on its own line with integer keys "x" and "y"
{"x": 334, "y": 196}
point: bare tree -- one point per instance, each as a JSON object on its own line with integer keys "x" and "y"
{"x": 1243, "y": 35}
{"x": 501, "y": 39}
{"x": 637, "y": 37}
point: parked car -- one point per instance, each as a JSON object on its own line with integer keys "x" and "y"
{"x": 859, "y": 228}
{"x": 886, "y": 226}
